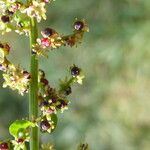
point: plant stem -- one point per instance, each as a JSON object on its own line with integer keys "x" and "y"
{"x": 33, "y": 95}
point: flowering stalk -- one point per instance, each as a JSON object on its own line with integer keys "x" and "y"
{"x": 22, "y": 18}
{"x": 33, "y": 95}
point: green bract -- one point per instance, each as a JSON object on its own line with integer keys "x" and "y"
{"x": 55, "y": 120}
{"x": 19, "y": 124}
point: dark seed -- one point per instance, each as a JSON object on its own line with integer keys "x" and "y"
{"x": 78, "y": 25}
{"x": 47, "y": 32}
{"x": 43, "y": 103}
{"x": 44, "y": 81}
{"x": 33, "y": 52}
{"x": 62, "y": 104}
{"x": 75, "y": 71}
{"x": 5, "y": 19}
{"x": 1, "y": 45}
{"x": 44, "y": 125}
{"x": 54, "y": 99}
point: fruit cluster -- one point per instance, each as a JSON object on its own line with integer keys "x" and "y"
{"x": 51, "y": 100}
{"x": 52, "y": 39}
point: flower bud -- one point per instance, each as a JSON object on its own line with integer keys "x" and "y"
{"x": 45, "y": 42}
{"x": 20, "y": 141}
{"x": 4, "y": 146}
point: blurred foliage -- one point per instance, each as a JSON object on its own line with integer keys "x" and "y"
{"x": 111, "y": 110}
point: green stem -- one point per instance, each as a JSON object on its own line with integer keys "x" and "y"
{"x": 33, "y": 95}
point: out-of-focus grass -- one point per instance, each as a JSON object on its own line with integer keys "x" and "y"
{"x": 111, "y": 110}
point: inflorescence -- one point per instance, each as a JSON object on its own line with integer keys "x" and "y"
{"x": 15, "y": 16}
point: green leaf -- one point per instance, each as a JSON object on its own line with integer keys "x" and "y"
{"x": 19, "y": 124}
{"x": 55, "y": 120}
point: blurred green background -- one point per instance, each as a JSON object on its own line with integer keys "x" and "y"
{"x": 111, "y": 110}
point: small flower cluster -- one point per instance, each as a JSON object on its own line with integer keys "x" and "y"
{"x": 12, "y": 18}
{"x": 14, "y": 77}
{"x": 15, "y": 15}
{"x": 52, "y": 39}
{"x": 36, "y": 10}
{"x": 20, "y": 145}
{"x": 19, "y": 142}
{"x": 51, "y": 100}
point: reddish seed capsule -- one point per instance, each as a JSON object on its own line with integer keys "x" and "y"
{"x": 20, "y": 140}
{"x": 50, "y": 110}
{"x": 78, "y": 25}
{"x": 45, "y": 42}
{"x": 4, "y": 146}
{"x": 44, "y": 81}
{"x": 5, "y": 19}
{"x": 44, "y": 125}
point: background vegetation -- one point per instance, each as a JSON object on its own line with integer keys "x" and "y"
{"x": 111, "y": 110}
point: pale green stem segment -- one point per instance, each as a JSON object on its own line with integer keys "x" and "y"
{"x": 33, "y": 93}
